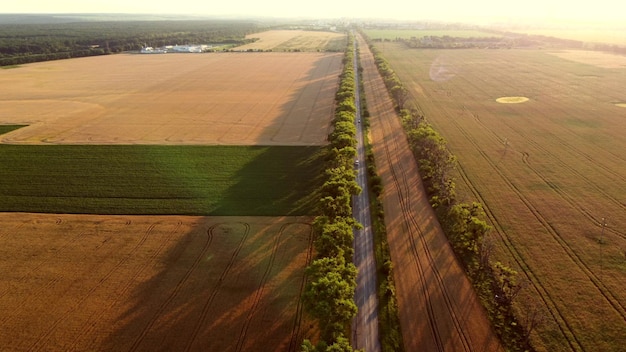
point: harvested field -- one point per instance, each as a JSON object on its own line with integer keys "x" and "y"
{"x": 438, "y": 308}
{"x": 146, "y": 283}
{"x": 296, "y": 40}
{"x": 551, "y": 172}
{"x": 217, "y": 98}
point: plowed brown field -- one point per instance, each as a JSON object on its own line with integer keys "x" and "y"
{"x": 439, "y": 311}
{"x": 219, "y": 98}
{"x": 122, "y": 283}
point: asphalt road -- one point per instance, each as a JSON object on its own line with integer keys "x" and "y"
{"x": 365, "y": 325}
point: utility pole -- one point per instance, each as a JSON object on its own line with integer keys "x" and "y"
{"x": 506, "y": 146}
{"x": 601, "y": 243}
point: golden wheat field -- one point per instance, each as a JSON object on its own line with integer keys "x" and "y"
{"x": 145, "y": 283}
{"x": 218, "y": 98}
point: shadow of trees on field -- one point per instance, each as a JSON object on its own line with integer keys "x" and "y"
{"x": 260, "y": 190}
{"x": 228, "y": 284}
{"x": 305, "y": 119}
{"x": 231, "y": 284}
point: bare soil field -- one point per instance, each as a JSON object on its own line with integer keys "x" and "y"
{"x": 439, "y": 310}
{"x": 290, "y": 40}
{"x": 216, "y": 98}
{"x": 146, "y": 283}
{"x": 552, "y": 175}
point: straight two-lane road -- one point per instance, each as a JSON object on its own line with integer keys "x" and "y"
{"x": 365, "y": 324}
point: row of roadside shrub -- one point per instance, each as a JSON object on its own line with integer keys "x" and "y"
{"x": 331, "y": 276}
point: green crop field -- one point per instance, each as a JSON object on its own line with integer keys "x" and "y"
{"x": 551, "y": 171}
{"x": 135, "y": 179}
{"x": 8, "y": 128}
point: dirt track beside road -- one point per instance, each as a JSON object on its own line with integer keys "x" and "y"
{"x": 439, "y": 310}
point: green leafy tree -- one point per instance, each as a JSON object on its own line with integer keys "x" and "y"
{"x": 335, "y": 240}
{"x": 400, "y": 95}
{"x": 507, "y": 284}
{"x": 329, "y": 294}
{"x": 467, "y": 230}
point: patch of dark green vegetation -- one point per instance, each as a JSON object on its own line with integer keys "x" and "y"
{"x": 131, "y": 179}
{"x": 26, "y": 42}
{"x": 331, "y": 277}
{"x": 8, "y": 128}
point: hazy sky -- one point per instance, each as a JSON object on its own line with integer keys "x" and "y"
{"x": 401, "y": 9}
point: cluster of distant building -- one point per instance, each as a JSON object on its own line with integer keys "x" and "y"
{"x": 175, "y": 49}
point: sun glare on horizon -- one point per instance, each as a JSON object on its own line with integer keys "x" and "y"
{"x": 545, "y": 10}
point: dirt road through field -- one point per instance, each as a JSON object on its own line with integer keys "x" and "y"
{"x": 439, "y": 311}
{"x": 365, "y": 324}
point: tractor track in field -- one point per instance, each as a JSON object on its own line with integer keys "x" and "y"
{"x": 372, "y": 99}
{"x": 218, "y": 285}
{"x": 176, "y": 290}
{"x": 608, "y": 295}
{"x": 573, "y": 150}
{"x": 138, "y": 308}
{"x": 479, "y": 82}
{"x": 5, "y": 232}
{"x": 40, "y": 342}
{"x": 296, "y": 340}
{"x": 129, "y": 283}
{"x": 554, "y": 310}
{"x": 258, "y": 294}
{"x": 564, "y": 195}
{"x": 573, "y": 90}
{"x": 543, "y": 221}
{"x": 564, "y": 326}
{"x": 403, "y": 190}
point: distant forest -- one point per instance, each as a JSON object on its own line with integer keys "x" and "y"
{"x": 33, "y": 41}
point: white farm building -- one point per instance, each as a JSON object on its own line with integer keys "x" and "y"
{"x": 187, "y": 48}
